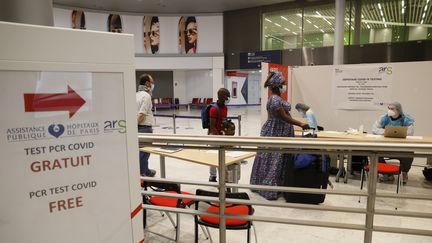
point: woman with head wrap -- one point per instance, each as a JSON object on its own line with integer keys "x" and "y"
{"x": 396, "y": 117}
{"x": 307, "y": 113}
{"x": 268, "y": 167}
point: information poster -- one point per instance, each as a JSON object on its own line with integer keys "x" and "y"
{"x": 63, "y": 173}
{"x": 362, "y": 88}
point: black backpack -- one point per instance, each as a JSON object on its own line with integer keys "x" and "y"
{"x": 427, "y": 172}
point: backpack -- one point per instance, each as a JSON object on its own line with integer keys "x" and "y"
{"x": 205, "y": 115}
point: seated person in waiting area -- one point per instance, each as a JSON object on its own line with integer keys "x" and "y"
{"x": 395, "y": 117}
{"x": 307, "y": 113}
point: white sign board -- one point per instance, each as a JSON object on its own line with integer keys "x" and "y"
{"x": 362, "y": 88}
{"x": 64, "y": 158}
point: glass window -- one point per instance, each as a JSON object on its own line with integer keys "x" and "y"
{"x": 282, "y": 29}
{"x": 377, "y": 20}
{"x": 319, "y": 26}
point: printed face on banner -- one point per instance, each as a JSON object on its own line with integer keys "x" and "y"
{"x": 188, "y": 34}
{"x": 78, "y": 19}
{"x": 115, "y": 23}
{"x": 151, "y": 29}
{"x": 64, "y": 153}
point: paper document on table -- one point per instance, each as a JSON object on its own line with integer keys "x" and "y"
{"x": 414, "y": 137}
{"x": 334, "y": 132}
{"x": 374, "y": 136}
{"x": 167, "y": 150}
{"x": 236, "y": 154}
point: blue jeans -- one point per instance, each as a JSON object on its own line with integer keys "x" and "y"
{"x": 144, "y": 157}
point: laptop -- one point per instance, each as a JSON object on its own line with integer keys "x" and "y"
{"x": 395, "y": 132}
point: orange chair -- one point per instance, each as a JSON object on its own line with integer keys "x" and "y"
{"x": 231, "y": 224}
{"x": 166, "y": 202}
{"x": 386, "y": 169}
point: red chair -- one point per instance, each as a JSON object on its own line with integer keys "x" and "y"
{"x": 209, "y": 101}
{"x": 231, "y": 224}
{"x": 166, "y": 202}
{"x": 385, "y": 169}
{"x": 195, "y": 101}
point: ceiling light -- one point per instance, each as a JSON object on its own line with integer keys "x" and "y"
{"x": 284, "y": 18}
{"x": 385, "y": 25}
{"x": 379, "y": 6}
{"x": 383, "y": 19}
{"x": 322, "y": 31}
{"x": 287, "y": 29}
{"x": 299, "y": 14}
{"x": 381, "y": 12}
{"x": 307, "y": 20}
{"x": 316, "y": 26}
{"x": 424, "y": 14}
{"x": 368, "y": 26}
{"x": 362, "y": 16}
{"x": 278, "y": 25}
{"x": 294, "y": 33}
{"x": 422, "y": 21}
{"x": 352, "y": 27}
{"x": 425, "y": 7}
{"x": 268, "y": 20}
{"x": 292, "y": 23}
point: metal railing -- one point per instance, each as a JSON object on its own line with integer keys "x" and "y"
{"x": 292, "y": 145}
{"x": 175, "y": 116}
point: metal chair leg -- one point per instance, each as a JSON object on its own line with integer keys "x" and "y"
{"x": 256, "y": 238}
{"x": 361, "y": 182}
{"x": 177, "y": 237}
{"x": 208, "y": 231}
{"x": 204, "y": 231}
{"x": 171, "y": 219}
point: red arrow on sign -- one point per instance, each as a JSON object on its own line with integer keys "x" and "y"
{"x": 69, "y": 101}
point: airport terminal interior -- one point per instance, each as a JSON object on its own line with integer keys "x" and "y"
{"x": 216, "y": 121}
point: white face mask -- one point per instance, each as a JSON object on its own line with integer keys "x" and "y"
{"x": 152, "y": 87}
{"x": 282, "y": 89}
{"x": 391, "y": 113}
{"x": 228, "y": 99}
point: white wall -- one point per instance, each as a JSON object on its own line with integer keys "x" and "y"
{"x": 417, "y": 33}
{"x": 411, "y": 86}
{"x": 179, "y": 79}
{"x": 199, "y": 84}
{"x": 210, "y": 29}
{"x": 380, "y": 35}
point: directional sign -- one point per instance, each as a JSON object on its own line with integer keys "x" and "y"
{"x": 69, "y": 101}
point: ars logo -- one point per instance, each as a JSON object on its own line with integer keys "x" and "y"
{"x": 56, "y": 130}
{"x": 115, "y": 125}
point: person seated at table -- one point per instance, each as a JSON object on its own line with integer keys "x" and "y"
{"x": 395, "y": 117}
{"x": 307, "y": 113}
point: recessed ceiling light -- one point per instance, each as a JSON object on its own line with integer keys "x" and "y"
{"x": 294, "y": 33}
{"x": 292, "y": 23}
{"x": 268, "y": 20}
{"x": 278, "y": 25}
{"x": 287, "y": 29}
{"x": 307, "y": 20}
{"x": 284, "y": 18}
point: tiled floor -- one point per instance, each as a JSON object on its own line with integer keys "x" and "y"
{"x": 271, "y": 232}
